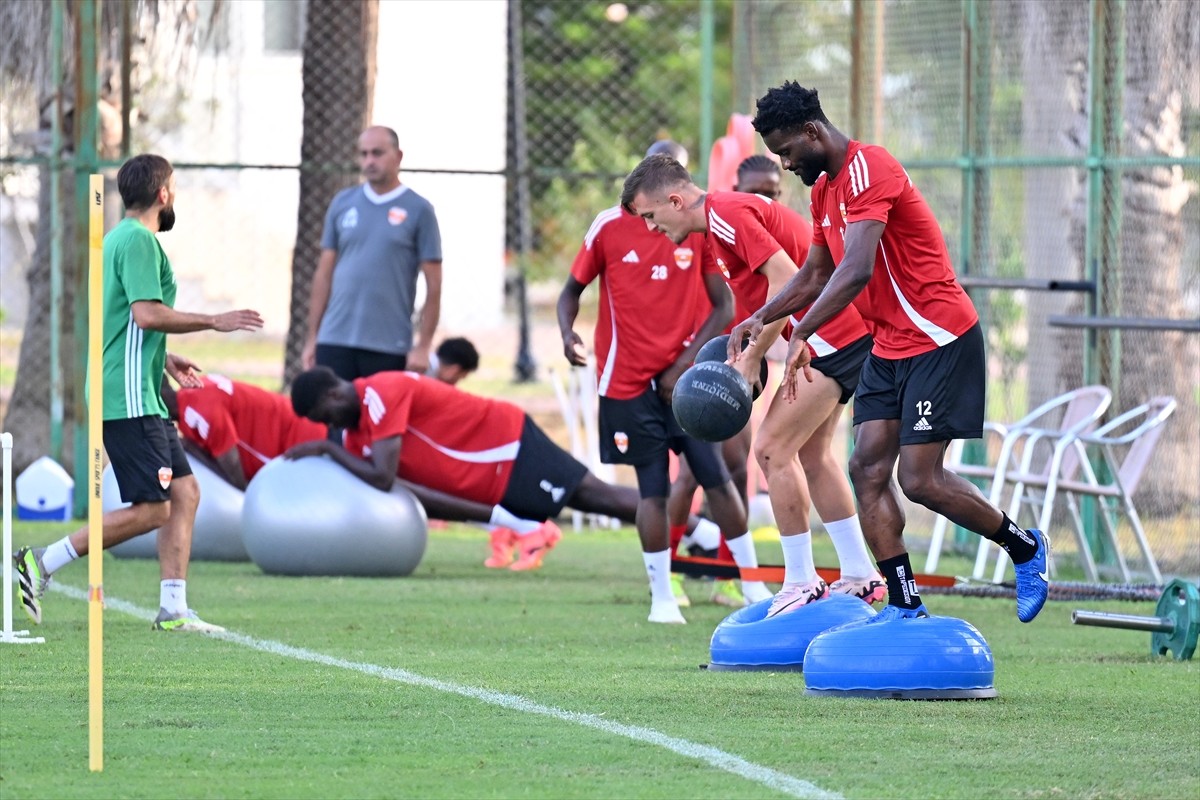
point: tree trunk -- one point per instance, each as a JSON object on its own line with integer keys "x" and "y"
{"x": 1159, "y": 59}
{"x": 339, "y": 77}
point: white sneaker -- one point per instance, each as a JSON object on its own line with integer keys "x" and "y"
{"x": 756, "y": 591}
{"x": 666, "y": 611}
{"x": 797, "y": 595}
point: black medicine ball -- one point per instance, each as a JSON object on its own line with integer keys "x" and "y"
{"x": 711, "y": 401}
{"x": 717, "y": 349}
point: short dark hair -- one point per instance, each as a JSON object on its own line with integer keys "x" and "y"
{"x": 654, "y": 174}
{"x": 140, "y": 178}
{"x": 458, "y": 352}
{"x": 758, "y": 163}
{"x": 309, "y": 386}
{"x": 786, "y": 108}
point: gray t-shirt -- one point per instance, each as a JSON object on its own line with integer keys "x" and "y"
{"x": 381, "y": 241}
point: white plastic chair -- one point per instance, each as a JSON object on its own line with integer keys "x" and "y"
{"x": 1127, "y": 444}
{"x": 1029, "y": 446}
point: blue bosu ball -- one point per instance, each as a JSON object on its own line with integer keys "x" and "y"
{"x": 928, "y": 658}
{"x": 747, "y": 640}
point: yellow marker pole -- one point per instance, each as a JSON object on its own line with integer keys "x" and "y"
{"x": 96, "y": 467}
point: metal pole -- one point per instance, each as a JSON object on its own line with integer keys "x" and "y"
{"x": 1101, "y": 619}
{"x": 525, "y": 367}
{"x": 56, "y": 256}
{"x": 87, "y": 36}
{"x": 706, "y": 88}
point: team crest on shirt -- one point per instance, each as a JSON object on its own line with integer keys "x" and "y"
{"x": 621, "y": 440}
{"x": 164, "y": 477}
{"x": 683, "y": 257}
{"x": 842, "y": 208}
{"x": 350, "y": 219}
{"x": 397, "y": 215}
{"x": 724, "y": 269}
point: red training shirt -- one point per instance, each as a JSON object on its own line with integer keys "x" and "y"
{"x": 223, "y": 414}
{"x": 454, "y": 442}
{"x": 913, "y": 302}
{"x": 649, "y": 291}
{"x": 744, "y": 231}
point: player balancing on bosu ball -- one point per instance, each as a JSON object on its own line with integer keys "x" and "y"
{"x": 877, "y": 247}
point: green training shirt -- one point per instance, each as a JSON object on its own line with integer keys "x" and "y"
{"x": 135, "y": 268}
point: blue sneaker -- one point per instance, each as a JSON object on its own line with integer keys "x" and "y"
{"x": 888, "y": 613}
{"x": 1033, "y": 579}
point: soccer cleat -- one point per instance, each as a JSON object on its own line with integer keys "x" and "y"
{"x": 1033, "y": 579}
{"x": 501, "y": 541}
{"x": 187, "y": 622}
{"x": 795, "y": 595}
{"x": 666, "y": 611}
{"x": 534, "y": 546}
{"x": 756, "y": 591}
{"x": 727, "y": 593}
{"x": 681, "y": 598}
{"x": 869, "y": 590}
{"x": 32, "y": 580}
{"x": 891, "y": 613}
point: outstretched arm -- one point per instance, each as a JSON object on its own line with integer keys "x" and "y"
{"x": 850, "y": 277}
{"x": 153, "y": 315}
{"x": 379, "y": 472}
{"x": 799, "y": 291}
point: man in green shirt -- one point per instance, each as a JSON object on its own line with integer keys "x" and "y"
{"x": 142, "y": 444}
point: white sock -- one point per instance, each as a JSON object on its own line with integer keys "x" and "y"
{"x": 172, "y": 596}
{"x": 658, "y": 570}
{"x": 58, "y": 555}
{"x": 853, "y": 557}
{"x": 707, "y": 535}
{"x": 506, "y": 519}
{"x": 798, "y": 566}
{"x": 743, "y": 551}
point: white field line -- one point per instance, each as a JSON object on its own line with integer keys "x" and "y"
{"x": 711, "y": 756}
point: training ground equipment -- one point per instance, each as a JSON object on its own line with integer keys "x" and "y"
{"x": 312, "y": 517}
{"x": 923, "y": 658}
{"x": 45, "y": 492}
{"x": 1175, "y": 626}
{"x": 711, "y": 401}
{"x": 216, "y": 533}
{"x": 717, "y": 349}
{"x": 749, "y": 640}
{"x": 8, "y": 635}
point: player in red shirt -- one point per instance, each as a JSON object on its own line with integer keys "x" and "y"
{"x": 878, "y": 246}
{"x": 641, "y": 352}
{"x": 237, "y": 427}
{"x": 757, "y": 244}
{"x": 484, "y": 451}
{"x": 756, "y": 174}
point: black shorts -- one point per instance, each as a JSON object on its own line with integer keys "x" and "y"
{"x": 354, "y": 362}
{"x": 544, "y": 476}
{"x": 937, "y": 396}
{"x": 845, "y": 366}
{"x": 639, "y": 430}
{"x": 146, "y": 456}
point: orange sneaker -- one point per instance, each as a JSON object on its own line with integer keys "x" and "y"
{"x": 502, "y": 548}
{"x": 533, "y": 547}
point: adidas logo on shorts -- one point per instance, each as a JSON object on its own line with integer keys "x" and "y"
{"x": 922, "y": 425}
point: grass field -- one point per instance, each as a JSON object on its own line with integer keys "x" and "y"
{"x": 464, "y": 682}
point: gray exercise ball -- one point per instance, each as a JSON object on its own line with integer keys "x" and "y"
{"x": 217, "y": 532}
{"x": 312, "y": 517}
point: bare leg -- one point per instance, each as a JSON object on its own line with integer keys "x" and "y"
{"x": 830, "y": 488}
{"x": 924, "y": 480}
{"x": 876, "y": 448}
{"x": 683, "y": 490}
{"x": 175, "y": 538}
{"x": 440, "y": 505}
{"x": 122, "y": 524}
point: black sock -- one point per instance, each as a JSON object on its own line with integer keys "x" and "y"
{"x": 1019, "y": 545}
{"x": 902, "y": 588}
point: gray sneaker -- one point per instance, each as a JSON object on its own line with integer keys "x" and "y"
{"x": 187, "y": 622}
{"x": 32, "y": 580}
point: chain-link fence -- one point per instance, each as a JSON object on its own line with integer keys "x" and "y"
{"x": 1055, "y": 142}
